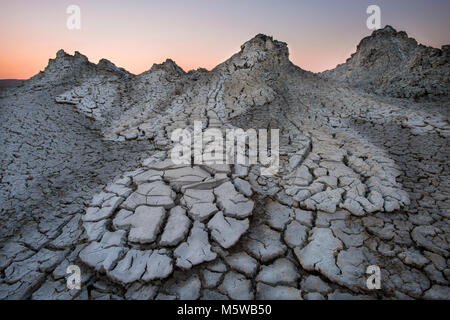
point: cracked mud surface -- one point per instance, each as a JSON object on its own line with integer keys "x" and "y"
{"x": 87, "y": 180}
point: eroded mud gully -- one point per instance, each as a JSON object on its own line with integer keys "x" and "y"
{"x": 87, "y": 180}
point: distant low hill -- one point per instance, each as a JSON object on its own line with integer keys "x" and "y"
{"x": 9, "y": 83}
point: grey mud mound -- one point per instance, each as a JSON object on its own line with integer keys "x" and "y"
{"x": 363, "y": 179}
{"x": 391, "y": 63}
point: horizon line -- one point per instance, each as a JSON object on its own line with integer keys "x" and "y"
{"x": 209, "y": 70}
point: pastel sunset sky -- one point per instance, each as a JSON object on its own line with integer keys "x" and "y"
{"x": 134, "y": 34}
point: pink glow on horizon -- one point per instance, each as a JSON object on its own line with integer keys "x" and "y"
{"x": 204, "y": 34}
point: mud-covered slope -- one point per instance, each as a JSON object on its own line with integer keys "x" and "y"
{"x": 52, "y": 156}
{"x": 389, "y": 62}
{"x": 362, "y": 180}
